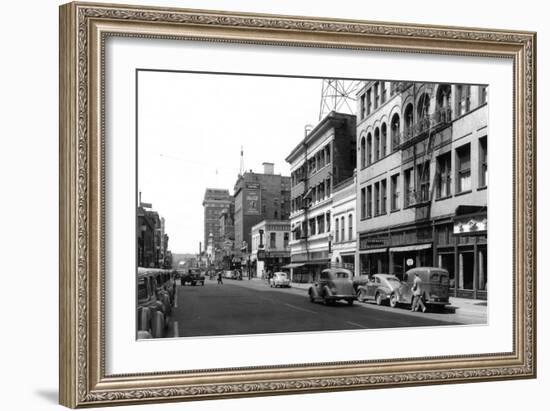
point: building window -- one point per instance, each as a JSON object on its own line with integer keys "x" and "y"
{"x": 393, "y": 88}
{"x": 369, "y": 102}
{"x": 376, "y": 199}
{"x": 383, "y": 139}
{"x": 285, "y": 240}
{"x": 443, "y": 104}
{"x": 328, "y": 186}
{"x": 369, "y": 201}
{"x": 409, "y": 187}
{"x": 363, "y": 203}
{"x": 328, "y": 221}
{"x": 409, "y": 121}
{"x": 363, "y": 153}
{"x": 376, "y": 95}
{"x": 363, "y": 106}
{"x": 463, "y": 169}
{"x": 483, "y": 95}
{"x": 312, "y": 226}
{"x": 463, "y": 99}
{"x": 483, "y": 162}
{"x": 384, "y": 92}
{"x": 342, "y": 229}
{"x": 395, "y": 192}
{"x": 383, "y": 196}
{"x": 376, "y": 144}
{"x": 328, "y": 154}
{"x": 369, "y": 149}
{"x": 350, "y": 227}
{"x": 443, "y": 188}
{"x": 395, "y": 132}
{"x": 337, "y": 226}
{"x": 272, "y": 240}
{"x": 423, "y": 175}
{"x": 320, "y": 224}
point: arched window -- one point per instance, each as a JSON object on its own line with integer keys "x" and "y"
{"x": 423, "y": 112}
{"x": 383, "y": 140}
{"x": 376, "y": 144}
{"x": 443, "y": 104}
{"x": 409, "y": 121}
{"x": 363, "y": 155}
{"x": 369, "y": 149}
{"x": 395, "y": 125}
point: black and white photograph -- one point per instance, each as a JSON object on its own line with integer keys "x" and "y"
{"x": 277, "y": 204}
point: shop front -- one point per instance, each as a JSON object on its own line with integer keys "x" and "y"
{"x": 307, "y": 267}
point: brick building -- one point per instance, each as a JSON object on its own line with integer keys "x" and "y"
{"x": 422, "y": 180}
{"x": 215, "y": 201}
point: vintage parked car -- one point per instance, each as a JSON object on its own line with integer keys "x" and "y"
{"x": 434, "y": 287}
{"x": 155, "y": 296}
{"x": 192, "y": 276}
{"x": 379, "y": 288}
{"x": 334, "y": 284}
{"x": 279, "y": 279}
{"x": 358, "y": 281}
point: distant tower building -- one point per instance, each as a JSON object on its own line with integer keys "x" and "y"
{"x": 216, "y": 200}
{"x": 258, "y": 196}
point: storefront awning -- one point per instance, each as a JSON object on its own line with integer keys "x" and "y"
{"x": 293, "y": 265}
{"x": 374, "y": 250}
{"x": 411, "y": 248}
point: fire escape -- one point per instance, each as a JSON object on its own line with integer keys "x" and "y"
{"x": 419, "y": 137}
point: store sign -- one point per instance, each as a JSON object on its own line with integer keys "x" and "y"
{"x": 373, "y": 242}
{"x": 471, "y": 225}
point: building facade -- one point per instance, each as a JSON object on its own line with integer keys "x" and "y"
{"x": 422, "y": 181}
{"x": 152, "y": 240}
{"x": 215, "y": 201}
{"x": 323, "y": 159}
{"x": 270, "y": 247}
{"x": 344, "y": 234}
{"x": 258, "y": 197}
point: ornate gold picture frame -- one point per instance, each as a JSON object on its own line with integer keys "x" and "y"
{"x": 84, "y": 29}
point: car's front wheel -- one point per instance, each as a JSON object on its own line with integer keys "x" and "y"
{"x": 350, "y": 301}
{"x": 393, "y": 300}
{"x": 311, "y": 298}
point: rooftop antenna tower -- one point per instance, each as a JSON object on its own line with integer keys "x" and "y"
{"x": 241, "y": 167}
{"x": 338, "y": 95}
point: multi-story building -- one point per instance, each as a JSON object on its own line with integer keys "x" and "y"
{"x": 344, "y": 237}
{"x": 152, "y": 240}
{"x": 227, "y": 235}
{"x": 258, "y": 196}
{"x": 422, "y": 180}
{"x": 270, "y": 246}
{"x": 323, "y": 159}
{"x": 216, "y": 200}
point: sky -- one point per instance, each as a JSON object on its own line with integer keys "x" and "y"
{"x": 191, "y": 127}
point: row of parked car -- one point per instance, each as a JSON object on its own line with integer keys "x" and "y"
{"x": 336, "y": 284}
{"x": 155, "y": 295}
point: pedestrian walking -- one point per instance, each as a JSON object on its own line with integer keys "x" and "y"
{"x": 220, "y": 281}
{"x": 417, "y": 294}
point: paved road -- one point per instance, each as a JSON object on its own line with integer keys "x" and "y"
{"x": 251, "y": 307}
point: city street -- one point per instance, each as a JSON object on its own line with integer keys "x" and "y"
{"x": 252, "y": 307}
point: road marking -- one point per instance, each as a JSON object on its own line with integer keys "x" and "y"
{"x": 355, "y": 324}
{"x": 301, "y": 309}
{"x": 176, "y": 330}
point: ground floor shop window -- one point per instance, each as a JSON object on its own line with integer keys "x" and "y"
{"x": 482, "y": 269}
{"x": 447, "y": 261}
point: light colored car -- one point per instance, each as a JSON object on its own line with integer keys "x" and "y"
{"x": 379, "y": 287}
{"x": 279, "y": 279}
{"x": 334, "y": 284}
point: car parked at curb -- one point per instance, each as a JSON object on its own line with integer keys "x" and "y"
{"x": 379, "y": 288}
{"x": 434, "y": 286}
{"x": 155, "y": 298}
{"x": 279, "y": 279}
{"x": 334, "y": 284}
